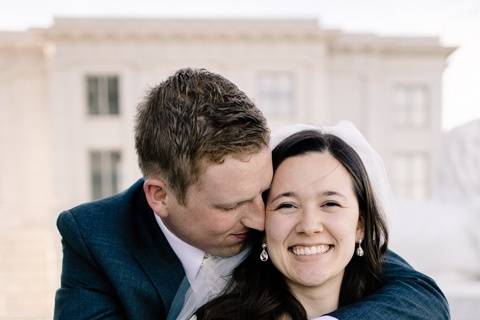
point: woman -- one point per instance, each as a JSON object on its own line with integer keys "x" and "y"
{"x": 324, "y": 232}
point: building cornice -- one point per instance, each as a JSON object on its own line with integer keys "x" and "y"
{"x": 33, "y": 39}
{"x": 118, "y": 30}
{"x": 372, "y": 44}
{"x": 127, "y": 29}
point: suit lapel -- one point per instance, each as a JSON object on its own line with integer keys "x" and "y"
{"x": 155, "y": 255}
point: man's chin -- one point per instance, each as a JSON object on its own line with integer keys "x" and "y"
{"x": 226, "y": 252}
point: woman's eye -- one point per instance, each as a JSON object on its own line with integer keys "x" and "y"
{"x": 285, "y": 205}
{"x": 331, "y": 204}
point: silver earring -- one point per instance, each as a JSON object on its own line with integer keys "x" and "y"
{"x": 360, "y": 251}
{"x": 264, "y": 253}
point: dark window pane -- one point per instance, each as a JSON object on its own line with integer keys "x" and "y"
{"x": 104, "y": 173}
{"x": 96, "y": 174}
{"x": 103, "y": 96}
{"x": 114, "y": 171}
{"x": 92, "y": 94}
{"x": 113, "y": 98}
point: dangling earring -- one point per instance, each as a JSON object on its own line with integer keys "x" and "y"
{"x": 264, "y": 253}
{"x": 360, "y": 251}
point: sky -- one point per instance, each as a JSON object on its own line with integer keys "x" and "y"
{"x": 455, "y": 22}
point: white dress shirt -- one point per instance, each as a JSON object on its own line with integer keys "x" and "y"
{"x": 190, "y": 257}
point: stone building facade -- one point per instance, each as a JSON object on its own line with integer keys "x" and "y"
{"x": 68, "y": 95}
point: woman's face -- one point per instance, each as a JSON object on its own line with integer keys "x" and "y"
{"x": 312, "y": 220}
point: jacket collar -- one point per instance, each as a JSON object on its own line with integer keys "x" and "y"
{"x": 155, "y": 254}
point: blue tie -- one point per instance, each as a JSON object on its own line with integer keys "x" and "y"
{"x": 177, "y": 303}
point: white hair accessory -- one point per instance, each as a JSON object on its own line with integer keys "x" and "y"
{"x": 371, "y": 160}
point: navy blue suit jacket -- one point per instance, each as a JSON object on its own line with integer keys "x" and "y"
{"x": 117, "y": 264}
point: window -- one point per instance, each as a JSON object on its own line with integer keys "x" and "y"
{"x": 276, "y": 94}
{"x": 411, "y": 175}
{"x": 104, "y": 173}
{"x": 103, "y": 95}
{"x": 411, "y": 105}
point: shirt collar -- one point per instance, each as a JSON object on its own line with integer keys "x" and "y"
{"x": 190, "y": 257}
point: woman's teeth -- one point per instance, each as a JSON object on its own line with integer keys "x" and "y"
{"x": 310, "y": 250}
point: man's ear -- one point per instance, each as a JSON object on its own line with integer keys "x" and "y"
{"x": 156, "y": 193}
{"x": 360, "y": 228}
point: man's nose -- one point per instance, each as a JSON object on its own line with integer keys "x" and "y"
{"x": 254, "y": 215}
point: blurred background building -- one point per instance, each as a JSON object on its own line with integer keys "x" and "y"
{"x": 67, "y": 106}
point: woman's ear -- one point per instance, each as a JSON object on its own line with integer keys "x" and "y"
{"x": 360, "y": 229}
{"x": 156, "y": 193}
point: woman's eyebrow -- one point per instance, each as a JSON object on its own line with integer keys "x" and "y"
{"x": 324, "y": 193}
{"x": 285, "y": 194}
{"x": 333, "y": 193}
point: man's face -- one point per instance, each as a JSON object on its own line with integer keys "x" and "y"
{"x": 223, "y": 205}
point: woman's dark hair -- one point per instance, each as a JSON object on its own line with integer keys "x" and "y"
{"x": 257, "y": 289}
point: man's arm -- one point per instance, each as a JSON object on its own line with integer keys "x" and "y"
{"x": 85, "y": 293}
{"x": 406, "y": 294}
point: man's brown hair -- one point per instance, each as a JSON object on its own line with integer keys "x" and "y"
{"x": 195, "y": 115}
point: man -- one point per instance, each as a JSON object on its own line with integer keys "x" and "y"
{"x": 203, "y": 151}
